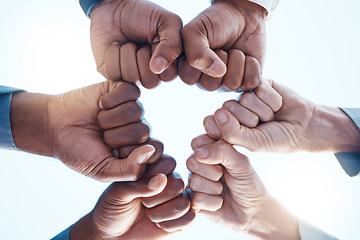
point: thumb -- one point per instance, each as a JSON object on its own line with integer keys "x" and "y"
{"x": 198, "y": 52}
{"x": 235, "y": 133}
{"x": 221, "y": 152}
{"x": 147, "y": 186}
{"x": 127, "y": 169}
{"x": 169, "y": 44}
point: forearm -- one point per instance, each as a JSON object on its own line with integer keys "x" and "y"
{"x": 331, "y": 130}
{"x": 274, "y": 222}
{"x": 29, "y": 122}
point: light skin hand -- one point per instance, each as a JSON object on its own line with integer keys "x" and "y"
{"x": 120, "y": 212}
{"x": 299, "y": 125}
{"x": 238, "y": 199}
{"x": 219, "y": 40}
{"x": 66, "y": 126}
{"x": 139, "y": 22}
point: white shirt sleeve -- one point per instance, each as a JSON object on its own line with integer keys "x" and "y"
{"x": 310, "y": 232}
{"x": 269, "y": 5}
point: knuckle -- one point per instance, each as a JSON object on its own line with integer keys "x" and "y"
{"x": 247, "y": 99}
{"x": 194, "y": 183}
{"x": 191, "y": 164}
{"x": 230, "y": 105}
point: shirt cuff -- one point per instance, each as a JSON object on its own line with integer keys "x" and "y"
{"x": 269, "y": 5}
{"x": 64, "y": 235}
{"x": 350, "y": 162}
{"x": 86, "y": 5}
{"x": 310, "y": 232}
{"x": 6, "y": 139}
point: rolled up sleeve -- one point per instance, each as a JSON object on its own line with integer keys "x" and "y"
{"x": 6, "y": 139}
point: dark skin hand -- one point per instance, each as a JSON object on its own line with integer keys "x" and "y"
{"x": 120, "y": 211}
{"x": 224, "y": 46}
{"x": 152, "y": 32}
{"x": 66, "y": 126}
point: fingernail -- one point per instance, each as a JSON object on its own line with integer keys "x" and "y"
{"x": 115, "y": 152}
{"x": 115, "y": 43}
{"x": 202, "y": 152}
{"x": 100, "y": 105}
{"x": 155, "y": 182}
{"x": 158, "y": 65}
{"x": 143, "y": 158}
{"x": 221, "y": 118}
{"x": 217, "y": 69}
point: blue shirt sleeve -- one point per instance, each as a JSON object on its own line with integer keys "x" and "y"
{"x": 6, "y": 139}
{"x": 64, "y": 235}
{"x": 310, "y": 232}
{"x": 350, "y": 162}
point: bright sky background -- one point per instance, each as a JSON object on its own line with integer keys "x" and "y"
{"x": 313, "y": 47}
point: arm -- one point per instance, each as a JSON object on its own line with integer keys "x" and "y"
{"x": 241, "y": 203}
{"x": 120, "y": 212}
{"x": 67, "y": 127}
{"x": 299, "y": 125}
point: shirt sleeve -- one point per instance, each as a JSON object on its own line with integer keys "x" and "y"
{"x": 350, "y": 162}
{"x": 64, "y": 235}
{"x": 310, "y": 232}
{"x": 269, "y": 5}
{"x": 6, "y": 139}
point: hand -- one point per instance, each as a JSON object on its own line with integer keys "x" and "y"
{"x": 117, "y": 22}
{"x": 67, "y": 127}
{"x": 299, "y": 125}
{"x": 228, "y": 32}
{"x": 120, "y": 213}
{"x": 227, "y": 190}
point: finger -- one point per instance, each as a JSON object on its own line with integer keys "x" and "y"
{"x": 129, "y": 112}
{"x": 210, "y": 83}
{"x": 250, "y": 101}
{"x": 252, "y": 74}
{"x": 123, "y": 152}
{"x": 128, "y": 169}
{"x": 165, "y": 165}
{"x": 202, "y": 201}
{"x": 211, "y": 128}
{"x": 135, "y": 133}
{"x": 243, "y": 115}
{"x": 170, "y": 45}
{"x": 147, "y": 77}
{"x": 198, "y": 52}
{"x": 125, "y": 192}
{"x": 173, "y": 189}
{"x": 268, "y": 95}
{"x": 129, "y": 68}
{"x": 124, "y": 92}
{"x": 187, "y": 73}
{"x": 178, "y": 224}
{"x": 201, "y": 140}
{"x": 221, "y": 152}
{"x": 112, "y": 62}
{"x": 170, "y": 73}
{"x": 235, "y": 133}
{"x": 198, "y": 183}
{"x": 171, "y": 210}
{"x": 210, "y": 172}
{"x": 235, "y": 70}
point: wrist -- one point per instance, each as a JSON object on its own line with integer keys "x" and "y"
{"x": 30, "y": 123}
{"x": 330, "y": 129}
{"x": 243, "y": 6}
{"x": 84, "y": 229}
{"x": 274, "y": 222}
